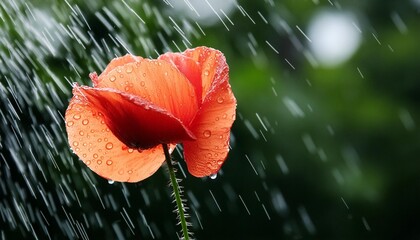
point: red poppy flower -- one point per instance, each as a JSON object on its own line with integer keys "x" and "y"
{"x": 118, "y": 126}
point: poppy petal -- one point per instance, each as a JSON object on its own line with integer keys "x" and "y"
{"x": 155, "y": 81}
{"x": 134, "y": 121}
{"x": 188, "y": 67}
{"x": 206, "y": 154}
{"x": 214, "y": 69}
{"x": 101, "y": 151}
{"x": 116, "y": 62}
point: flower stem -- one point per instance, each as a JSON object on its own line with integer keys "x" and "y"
{"x": 177, "y": 192}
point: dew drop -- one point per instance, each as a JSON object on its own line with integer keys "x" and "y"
{"x": 87, "y": 162}
{"x": 112, "y": 78}
{"x": 85, "y": 121}
{"x": 121, "y": 172}
{"x": 99, "y": 162}
{"x": 108, "y": 162}
{"x": 127, "y": 88}
{"x": 70, "y": 123}
{"x": 77, "y": 116}
{"x": 129, "y": 69}
{"x": 84, "y": 155}
{"x": 220, "y": 100}
{"x": 75, "y": 143}
{"x": 99, "y": 139}
{"x": 119, "y": 70}
{"x": 207, "y": 133}
{"x": 109, "y": 145}
{"x": 224, "y": 116}
{"x": 142, "y": 83}
{"x": 81, "y": 133}
{"x": 220, "y": 162}
{"x": 144, "y": 74}
{"x": 213, "y": 176}
{"x": 206, "y": 72}
{"x": 95, "y": 155}
{"x": 208, "y": 155}
{"x": 130, "y": 150}
{"x": 130, "y": 171}
{"x": 111, "y": 181}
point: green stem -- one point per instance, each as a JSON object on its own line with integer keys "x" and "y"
{"x": 177, "y": 193}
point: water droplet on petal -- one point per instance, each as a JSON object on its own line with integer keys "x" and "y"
{"x": 112, "y": 78}
{"x": 130, "y": 150}
{"x": 99, "y": 162}
{"x": 128, "y": 69}
{"x": 109, "y": 145}
{"x": 95, "y": 155}
{"x": 213, "y": 176}
{"x": 220, "y": 162}
{"x": 108, "y": 162}
{"x": 121, "y": 172}
{"x": 70, "y": 123}
{"x": 87, "y": 162}
{"x": 207, "y": 133}
{"x": 85, "y": 121}
{"x": 144, "y": 74}
{"x": 77, "y": 116}
{"x": 75, "y": 143}
{"x": 130, "y": 171}
{"x": 206, "y": 72}
{"x": 220, "y": 100}
{"x": 110, "y": 181}
{"x": 224, "y": 116}
{"x": 81, "y": 133}
{"x": 142, "y": 83}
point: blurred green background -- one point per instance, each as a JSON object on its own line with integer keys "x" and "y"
{"x": 325, "y": 145}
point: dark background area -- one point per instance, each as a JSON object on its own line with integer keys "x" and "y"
{"x": 320, "y": 150}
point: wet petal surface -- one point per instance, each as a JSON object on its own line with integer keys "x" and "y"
{"x": 155, "y": 81}
{"x": 135, "y": 122}
{"x": 91, "y": 139}
{"x": 211, "y": 126}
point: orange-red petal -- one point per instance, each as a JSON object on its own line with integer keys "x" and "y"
{"x": 189, "y": 68}
{"x": 155, "y": 81}
{"x": 101, "y": 151}
{"x": 134, "y": 121}
{"x": 206, "y": 154}
{"x": 116, "y": 62}
{"x": 214, "y": 69}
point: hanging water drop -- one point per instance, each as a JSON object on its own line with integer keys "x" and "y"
{"x": 111, "y": 181}
{"x": 213, "y": 176}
